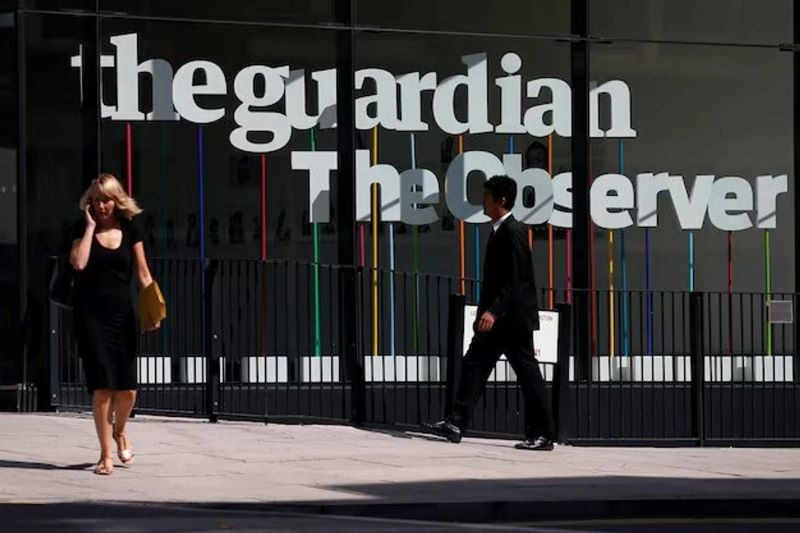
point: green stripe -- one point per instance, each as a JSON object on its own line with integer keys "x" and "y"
{"x": 315, "y": 226}
{"x": 769, "y": 287}
{"x": 165, "y": 213}
{"x": 415, "y": 304}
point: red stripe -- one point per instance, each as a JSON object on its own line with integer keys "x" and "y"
{"x": 730, "y": 261}
{"x": 129, "y": 152}
{"x": 730, "y": 293}
{"x": 362, "y": 245}
{"x": 569, "y": 266}
{"x": 264, "y": 253}
{"x": 592, "y": 272}
{"x": 263, "y": 207}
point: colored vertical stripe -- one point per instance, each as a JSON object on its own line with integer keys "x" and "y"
{"x": 611, "y": 310}
{"x": 315, "y": 232}
{"x": 477, "y": 247}
{"x": 362, "y": 245}
{"x": 623, "y": 266}
{"x": 691, "y": 261}
{"x": 201, "y": 222}
{"x": 462, "y": 256}
{"x": 768, "y": 285}
{"x": 129, "y": 157}
{"x": 263, "y": 160}
{"x": 569, "y": 263}
{"x": 263, "y": 202}
{"x": 569, "y": 266}
{"x": 162, "y": 152}
{"x": 415, "y": 245}
{"x": 648, "y": 295}
{"x": 592, "y": 268}
{"x": 550, "y": 261}
{"x": 374, "y": 219}
{"x": 391, "y": 292}
{"x": 462, "y": 259}
{"x": 730, "y": 293}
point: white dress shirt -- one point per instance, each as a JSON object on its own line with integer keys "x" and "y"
{"x": 496, "y": 225}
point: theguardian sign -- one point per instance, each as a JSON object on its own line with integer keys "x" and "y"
{"x": 271, "y": 105}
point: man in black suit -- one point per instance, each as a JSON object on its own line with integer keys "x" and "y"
{"x": 507, "y": 316}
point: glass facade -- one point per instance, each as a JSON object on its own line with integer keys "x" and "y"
{"x": 9, "y": 258}
{"x": 220, "y": 120}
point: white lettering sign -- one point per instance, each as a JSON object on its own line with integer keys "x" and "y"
{"x": 272, "y": 101}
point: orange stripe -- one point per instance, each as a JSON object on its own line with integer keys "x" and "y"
{"x": 550, "y": 262}
{"x": 462, "y": 253}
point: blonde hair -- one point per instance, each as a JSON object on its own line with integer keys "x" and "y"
{"x": 109, "y": 186}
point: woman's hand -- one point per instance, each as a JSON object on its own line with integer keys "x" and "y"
{"x": 90, "y": 221}
{"x": 81, "y": 248}
{"x": 152, "y": 325}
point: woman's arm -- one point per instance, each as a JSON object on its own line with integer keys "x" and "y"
{"x": 144, "y": 277}
{"x": 79, "y": 254}
{"x": 142, "y": 270}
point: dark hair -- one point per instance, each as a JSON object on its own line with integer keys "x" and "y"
{"x": 502, "y": 187}
{"x": 534, "y": 147}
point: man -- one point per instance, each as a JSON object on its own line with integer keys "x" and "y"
{"x": 507, "y": 316}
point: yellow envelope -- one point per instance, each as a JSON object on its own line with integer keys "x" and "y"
{"x": 152, "y": 306}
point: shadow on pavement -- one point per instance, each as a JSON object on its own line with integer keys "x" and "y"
{"x": 42, "y": 466}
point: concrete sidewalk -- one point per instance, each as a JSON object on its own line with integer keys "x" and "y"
{"x": 46, "y": 458}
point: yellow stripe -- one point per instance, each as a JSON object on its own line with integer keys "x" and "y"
{"x": 374, "y": 216}
{"x": 611, "y": 292}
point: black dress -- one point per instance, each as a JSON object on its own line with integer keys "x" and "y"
{"x": 104, "y": 317}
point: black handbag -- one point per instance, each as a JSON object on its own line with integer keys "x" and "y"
{"x": 62, "y": 283}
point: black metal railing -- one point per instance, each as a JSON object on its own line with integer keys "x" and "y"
{"x": 267, "y": 340}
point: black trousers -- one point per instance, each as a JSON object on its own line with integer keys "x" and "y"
{"x": 516, "y": 342}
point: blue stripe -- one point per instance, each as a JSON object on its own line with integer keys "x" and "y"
{"x": 691, "y": 261}
{"x": 391, "y": 290}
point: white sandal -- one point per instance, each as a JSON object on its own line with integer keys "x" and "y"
{"x": 126, "y": 455}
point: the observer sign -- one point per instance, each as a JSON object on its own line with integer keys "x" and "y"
{"x": 272, "y": 100}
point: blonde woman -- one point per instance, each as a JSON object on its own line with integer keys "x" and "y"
{"x": 107, "y": 249}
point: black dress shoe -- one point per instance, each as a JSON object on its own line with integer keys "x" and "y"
{"x": 445, "y": 429}
{"x": 538, "y": 444}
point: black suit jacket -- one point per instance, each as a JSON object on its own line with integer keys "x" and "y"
{"x": 508, "y": 287}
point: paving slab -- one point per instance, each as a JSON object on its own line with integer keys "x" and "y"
{"x": 47, "y": 459}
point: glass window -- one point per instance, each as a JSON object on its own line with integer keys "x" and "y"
{"x": 718, "y": 121}
{"x": 9, "y": 271}
{"x": 61, "y": 151}
{"x": 256, "y": 199}
{"x": 728, "y": 21}
{"x": 524, "y": 18}
{"x": 463, "y": 116}
{"x": 60, "y": 5}
{"x": 289, "y": 11}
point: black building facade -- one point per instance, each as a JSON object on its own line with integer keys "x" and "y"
{"x": 654, "y": 143}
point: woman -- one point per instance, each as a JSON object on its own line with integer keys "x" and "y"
{"x": 106, "y": 250}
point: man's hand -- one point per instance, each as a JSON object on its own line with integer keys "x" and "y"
{"x": 485, "y": 322}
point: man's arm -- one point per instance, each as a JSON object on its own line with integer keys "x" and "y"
{"x": 514, "y": 256}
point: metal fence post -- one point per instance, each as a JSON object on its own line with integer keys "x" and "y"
{"x": 352, "y": 354}
{"x": 561, "y": 398}
{"x": 56, "y": 354}
{"x": 209, "y": 353}
{"x": 455, "y": 348}
{"x": 697, "y": 356}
